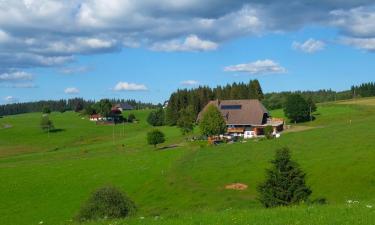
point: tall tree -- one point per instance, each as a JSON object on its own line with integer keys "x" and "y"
{"x": 186, "y": 120}
{"x": 285, "y": 182}
{"x": 296, "y": 108}
{"x": 212, "y": 122}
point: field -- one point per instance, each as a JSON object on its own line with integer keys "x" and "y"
{"x": 46, "y": 178}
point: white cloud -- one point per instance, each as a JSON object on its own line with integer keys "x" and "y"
{"x": 75, "y": 70}
{"x": 191, "y": 43}
{"x": 258, "y": 67}
{"x": 360, "y": 43}
{"x": 125, "y": 86}
{"x": 189, "y": 82}
{"x": 309, "y": 46}
{"x": 71, "y": 90}
{"x": 10, "y": 99}
{"x": 45, "y": 33}
{"x": 15, "y": 76}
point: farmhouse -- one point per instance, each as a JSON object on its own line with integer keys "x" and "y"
{"x": 246, "y": 118}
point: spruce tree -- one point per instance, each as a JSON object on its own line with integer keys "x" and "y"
{"x": 285, "y": 182}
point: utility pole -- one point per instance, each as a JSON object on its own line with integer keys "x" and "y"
{"x": 113, "y": 133}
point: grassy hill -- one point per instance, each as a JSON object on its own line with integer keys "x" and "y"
{"x": 47, "y": 178}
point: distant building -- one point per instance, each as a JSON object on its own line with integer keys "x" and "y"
{"x": 245, "y": 117}
{"x": 96, "y": 117}
{"x": 123, "y": 106}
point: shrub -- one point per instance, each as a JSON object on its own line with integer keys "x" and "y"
{"x": 156, "y": 118}
{"x": 268, "y": 130}
{"x": 131, "y": 118}
{"x": 285, "y": 182}
{"x": 106, "y": 203}
{"x": 155, "y": 137}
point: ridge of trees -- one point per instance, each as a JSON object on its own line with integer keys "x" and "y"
{"x": 62, "y": 105}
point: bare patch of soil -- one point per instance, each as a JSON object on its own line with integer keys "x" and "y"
{"x": 236, "y": 186}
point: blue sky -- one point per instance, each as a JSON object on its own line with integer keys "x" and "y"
{"x": 93, "y": 55}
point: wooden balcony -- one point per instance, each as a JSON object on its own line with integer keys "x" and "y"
{"x": 236, "y": 130}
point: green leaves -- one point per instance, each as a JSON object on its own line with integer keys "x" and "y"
{"x": 212, "y": 122}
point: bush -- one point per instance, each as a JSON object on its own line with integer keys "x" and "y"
{"x": 268, "y": 130}
{"x": 155, "y": 137}
{"x": 131, "y": 118}
{"x": 285, "y": 182}
{"x": 106, "y": 203}
{"x": 156, "y": 118}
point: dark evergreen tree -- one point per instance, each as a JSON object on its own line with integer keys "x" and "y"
{"x": 285, "y": 182}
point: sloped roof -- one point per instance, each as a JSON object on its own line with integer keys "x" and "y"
{"x": 125, "y": 106}
{"x": 239, "y": 112}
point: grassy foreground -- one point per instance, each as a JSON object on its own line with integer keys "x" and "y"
{"x": 48, "y": 178}
{"x": 313, "y": 215}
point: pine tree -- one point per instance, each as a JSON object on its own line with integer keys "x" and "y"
{"x": 285, "y": 182}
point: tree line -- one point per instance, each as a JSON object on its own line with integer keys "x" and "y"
{"x": 62, "y": 105}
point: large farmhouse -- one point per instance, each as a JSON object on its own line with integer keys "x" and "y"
{"x": 245, "y": 117}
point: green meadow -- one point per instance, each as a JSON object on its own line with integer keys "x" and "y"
{"x": 45, "y": 178}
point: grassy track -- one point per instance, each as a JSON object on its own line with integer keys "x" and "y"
{"x": 46, "y": 179}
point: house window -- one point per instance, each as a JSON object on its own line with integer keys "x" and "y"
{"x": 230, "y": 107}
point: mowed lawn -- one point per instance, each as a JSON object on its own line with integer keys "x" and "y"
{"x": 48, "y": 178}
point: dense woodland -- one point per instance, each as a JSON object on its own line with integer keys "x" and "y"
{"x": 196, "y": 99}
{"x": 75, "y": 104}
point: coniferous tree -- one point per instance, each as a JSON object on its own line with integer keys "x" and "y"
{"x": 186, "y": 120}
{"x": 285, "y": 182}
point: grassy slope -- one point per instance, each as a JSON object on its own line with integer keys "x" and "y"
{"x": 51, "y": 184}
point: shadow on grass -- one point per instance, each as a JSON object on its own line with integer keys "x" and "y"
{"x": 168, "y": 147}
{"x": 57, "y": 130}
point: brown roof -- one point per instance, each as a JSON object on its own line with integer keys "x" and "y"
{"x": 239, "y": 112}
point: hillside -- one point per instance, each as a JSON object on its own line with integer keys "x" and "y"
{"x": 47, "y": 178}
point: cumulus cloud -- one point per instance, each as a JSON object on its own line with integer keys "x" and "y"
{"x": 309, "y": 46}
{"x": 71, "y": 91}
{"x": 32, "y": 35}
{"x": 257, "y": 68}
{"x": 15, "y": 76}
{"x": 191, "y": 43}
{"x": 125, "y": 86}
{"x": 360, "y": 43}
{"x": 189, "y": 82}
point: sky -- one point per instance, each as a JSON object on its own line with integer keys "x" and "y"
{"x": 146, "y": 49}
